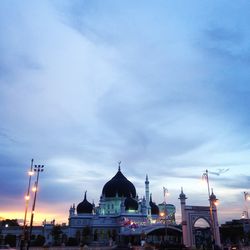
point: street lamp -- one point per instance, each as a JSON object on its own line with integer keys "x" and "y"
{"x": 37, "y": 169}
{"x": 27, "y": 198}
{"x": 246, "y": 198}
{"x": 212, "y": 201}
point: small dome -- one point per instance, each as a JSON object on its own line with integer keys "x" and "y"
{"x": 131, "y": 204}
{"x": 182, "y": 196}
{"x": 119, "y": 185}
{"x": 84, "y": 207}
{"x": 213, "y": 196}
{"x": 154, "y": 207}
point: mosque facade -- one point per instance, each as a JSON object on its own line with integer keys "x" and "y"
{"x": 120, "y": 214}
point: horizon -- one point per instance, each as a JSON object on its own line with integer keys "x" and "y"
{"x": 44, "y": 214}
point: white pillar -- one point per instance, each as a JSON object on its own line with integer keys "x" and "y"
{"x": 214, "y": 219}
{"x": 216, "y": 226}
{"x": 185, "y": 237}
{"x": 147, "y": 195}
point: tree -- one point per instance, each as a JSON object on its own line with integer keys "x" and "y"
{"x": 10, "y": 239}
{"x": 9, "y": 222}
{"x": 232, "y": 233}
{"x": 71, "y": 242}
{"x": 56, "y": 234}
{"x": 39, "y": 241}
{"x": 85, "y": 234}
{"x": 78, "y": 236}
{"x": 64, "y": 238}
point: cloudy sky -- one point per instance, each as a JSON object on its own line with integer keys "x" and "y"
{"x": 162, "y": 86}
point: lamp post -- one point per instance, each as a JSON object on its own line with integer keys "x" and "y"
{"x": 37, "y": 169}
{"x": 165, "y": 194}
{"x": 245, "y": 214}
{"x": 27, "y": 198}
{"x": 206, "y": 178}
{"x": 246, "y": 198}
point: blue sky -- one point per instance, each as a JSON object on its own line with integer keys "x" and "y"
{"x": 162, "y": 86}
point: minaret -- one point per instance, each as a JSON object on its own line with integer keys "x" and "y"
{"x": 71, "y": 211}
{"x": 147, "y": 195}
{"x": 183, "y": 198}
{"x": 214, "y": 217}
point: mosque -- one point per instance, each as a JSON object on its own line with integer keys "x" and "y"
{"x": 122, "y": 216}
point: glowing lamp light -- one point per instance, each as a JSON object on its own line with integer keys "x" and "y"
{"x": 26, "y": 197}
{"x": 204, "y": 178}
{"x": 247, "y": 196}
{"x": 216, "y": 203}
{"x": 34, "y": 189}
{"x": 162, "y": 214}
{"x": 30, "y": 173}
{"x": 203, "y": 181}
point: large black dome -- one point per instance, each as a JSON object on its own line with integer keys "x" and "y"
{"x": 84, "y": 207}
{"x": 119, "y": 185}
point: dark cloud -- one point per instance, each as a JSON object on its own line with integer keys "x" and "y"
{"x": 218, "y": 34}
{"x": 227, "y": 54}
{"x": 5, "y": 136}
{"x": 238, "y": 182}
{"x": 12, "y": 177}
{"x": 227, "y": 43}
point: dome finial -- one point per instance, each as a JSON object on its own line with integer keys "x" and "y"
{"x": 119, "y": 165}
{"x": 182, "y": 196}
{"x": 85, "y": 195}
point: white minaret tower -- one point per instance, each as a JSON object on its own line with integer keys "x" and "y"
{"x": 185, "y": 238}
{"x": 147, "y": 195}
{"x": 214, "y": 215}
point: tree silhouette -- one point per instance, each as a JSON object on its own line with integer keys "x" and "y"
{"x": 86, "y": 231}
{"x": 56, "y": 234}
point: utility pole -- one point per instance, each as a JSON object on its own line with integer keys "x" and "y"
{"x": 206, "y": 178}
{"x": 212, "y": 207}
{"x": 27, "y": 198}
{"x": 37, "y": 169}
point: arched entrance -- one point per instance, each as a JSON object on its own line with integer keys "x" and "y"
{"x": 202, "y": 234}
{"x": 191, "y": 214}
